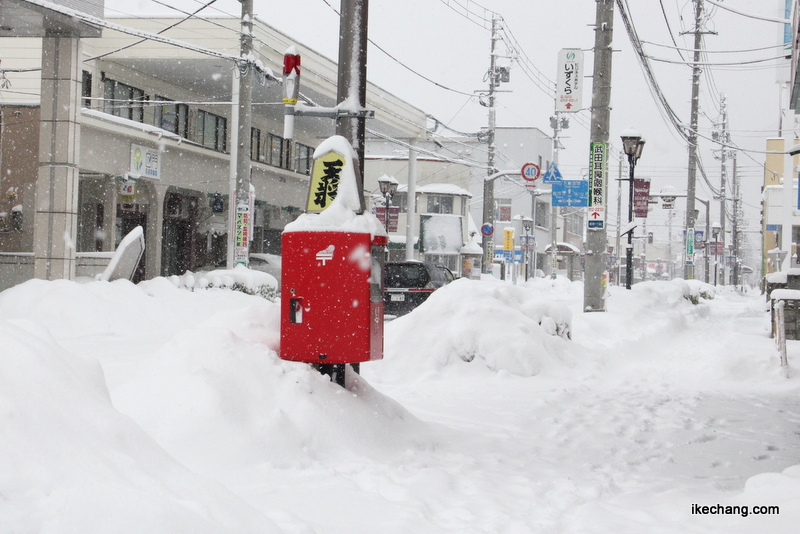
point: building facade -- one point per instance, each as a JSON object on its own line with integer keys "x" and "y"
{"x": 155, "y": 145}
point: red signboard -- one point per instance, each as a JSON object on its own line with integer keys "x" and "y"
{"x": 641, "y": 196}
{"x": 394, "y": 214}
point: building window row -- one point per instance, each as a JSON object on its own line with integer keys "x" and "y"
{"x": 172, "y": 117}
{"x": 210, "y": 130}
{"x": 276, "y": 151}
{"x": 123, "y": 100}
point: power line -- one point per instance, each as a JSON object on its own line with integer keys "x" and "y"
{"x": 120, "y": 49}
{"x": 741, "y": 51}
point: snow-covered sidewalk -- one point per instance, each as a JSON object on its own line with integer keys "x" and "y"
{"x": 155, "y": 409}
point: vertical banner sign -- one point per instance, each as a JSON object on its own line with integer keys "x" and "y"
{"x": 689, "y": 246}
{"x": 508, "y": 239}
{"x": 569, "y": 89}
{"x": 508, "y": 244}
{"x": 242, "y": 234}
{"x": 324, "y": 182}
{"x": 597, "y": 187}
{"x": 641, "y": 197}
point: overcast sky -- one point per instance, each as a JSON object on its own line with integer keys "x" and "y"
{"x": 443, "y": 45}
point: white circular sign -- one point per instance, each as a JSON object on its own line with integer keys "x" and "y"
{"x": 531, "y": 172}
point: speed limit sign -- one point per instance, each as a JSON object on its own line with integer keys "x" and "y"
{"x": 531, "y": 172}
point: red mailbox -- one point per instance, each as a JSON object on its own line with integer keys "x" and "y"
{"x": 332, "y": 297}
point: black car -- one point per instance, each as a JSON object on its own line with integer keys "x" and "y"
{"x": 407, "y": 284}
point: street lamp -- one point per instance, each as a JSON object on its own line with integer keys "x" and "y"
{"x": 715, "y": 229}
{"x": 388, "y": 186}
{"x": 632, "y": 145}
{"x": 527, "y": 225}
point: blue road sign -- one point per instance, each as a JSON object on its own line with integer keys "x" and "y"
{"x": 571, "y": 193}
{"x": 552, "y": 175}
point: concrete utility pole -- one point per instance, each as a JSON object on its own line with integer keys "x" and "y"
{"x": 688, "y": 271}
{"x": 488, "y": 185}
{"x": 619, "y": 222}
{"x": 411, "y": 200}
{"x": 352, "y": 78}
{"x": 240, "y": 202}
{"x": 735, "y": 234}
{"x": 553, "y": 210}
{"x": 724, "y": 137}
{"x": 596, "y": 243}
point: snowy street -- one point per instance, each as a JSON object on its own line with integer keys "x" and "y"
{"x": 149, "y": 408}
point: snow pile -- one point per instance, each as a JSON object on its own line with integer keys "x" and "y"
{"x": 495, "y": 325}
{"x": 342, "y": 213}
{"x": 73, "y": 463}
{"x": 149, "y": 408}
{"x": 240, "y": 278}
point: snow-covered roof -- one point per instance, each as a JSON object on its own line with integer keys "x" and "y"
{"x": 562, "y": 244}
{"x": 438, "y": 189}
{"x": 785, "y": 294}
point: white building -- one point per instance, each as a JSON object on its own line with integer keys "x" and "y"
{"x": 159, "y": 114}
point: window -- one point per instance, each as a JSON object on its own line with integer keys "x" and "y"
{"x": 172, "y": 117}
{"x": 574, "y": 223}
{"x": 255, "y": 144}
{"x": 86, "y": 88}
{"x": 212, "y": 130}
{"x": 400, "y": 199}
{"x": 303, "y": 159}
{"x": 542, "y": 214}
{"x": 440, "y": 204}
{"x": 274, "y": 150}
{"x": 122, "y": 100}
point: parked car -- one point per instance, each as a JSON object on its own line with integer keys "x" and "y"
{"x": 267, "y": 263}
{"x": 407, "y": 284}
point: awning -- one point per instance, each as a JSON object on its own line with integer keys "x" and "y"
{"x": 564, "y": 247}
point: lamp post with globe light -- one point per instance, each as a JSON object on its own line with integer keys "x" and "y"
{"x": 632, "y": 145}
{"x": 527, "y": 225}
{"x": 388, "y": 185}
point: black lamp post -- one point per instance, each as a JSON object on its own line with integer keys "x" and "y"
{"x": 527, "y": 225}
{"x": 632, "y": 145}
{"x": 388, "y": 187}
{"x": 715, "y": 229}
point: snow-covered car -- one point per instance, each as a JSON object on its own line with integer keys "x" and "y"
{"x": 407, "y": 284}
{"x": 267, "y": 263}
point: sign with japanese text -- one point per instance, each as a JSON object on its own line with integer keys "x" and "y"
{"x": 571, "y": 193}
{"x": 641, "y": 196}
{"x": 145, "y": 162}
{"x": 324, "y": 184}
{"x": 508, "y": 239}
{"x": 127, "y": 190}
{"x": 241, "y": 234}
{"x": 394, "y": 214}
{"x": 597, "y": 186}
{"x": 569, "y": 83}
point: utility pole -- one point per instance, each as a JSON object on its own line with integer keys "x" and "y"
{"x": 619, "y": 223}
{"x": 556, "y": 124}
{"x": 352, "y": 79}
{"x": 240, "y": 202}
{"x": 735, "y": 226}
{"x": 724, "y": 137}
{"x": 688, "y": 271}
{"x": 488, "y": 185}
{"x": 596, "y": 242}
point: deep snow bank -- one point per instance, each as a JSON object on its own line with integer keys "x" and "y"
{"x": 72, "y": 463}
{"x": 496, "y": 326}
